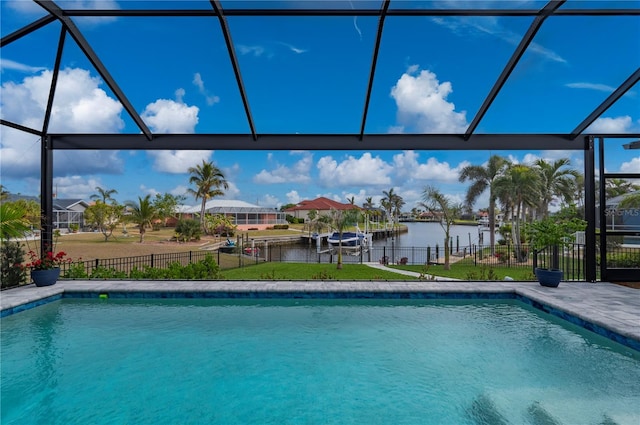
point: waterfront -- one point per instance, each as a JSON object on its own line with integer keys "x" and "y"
{"x": 412, "y": 243}
{"x": 424, "y": 234}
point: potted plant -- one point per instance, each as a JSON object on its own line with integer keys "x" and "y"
{"x": 45, "y": 270}
{"x": 552, "y": 233}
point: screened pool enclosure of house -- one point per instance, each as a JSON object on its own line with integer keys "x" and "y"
{"x": 525, "y": 76}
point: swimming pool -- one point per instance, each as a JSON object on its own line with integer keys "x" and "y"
{"x": 309, "y": 361}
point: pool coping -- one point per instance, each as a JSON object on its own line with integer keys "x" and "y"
{"x": 609, "y": 310}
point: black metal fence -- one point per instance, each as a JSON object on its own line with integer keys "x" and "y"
{"x": 571, "y": 259}
{"x": 568, "y": 258}
{"x": 127, "y": 264}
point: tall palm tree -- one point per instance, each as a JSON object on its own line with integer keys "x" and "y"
{"x": 142, "y": 213}
{"x": 518, "y": 189}
{"x": 104, "y": 195}
{"x": 437, "y": 203}
{"x": 208, "y": 180}
{"x": 483, "y": 178}
{"x": 392, "y": 203}
{"x": 556, "y": 181}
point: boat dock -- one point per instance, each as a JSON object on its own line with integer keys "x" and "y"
{"x": 375, "y": 235}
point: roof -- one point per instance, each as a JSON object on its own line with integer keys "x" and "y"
{"x": 321, "y": 204}
{"x": 221, "y": 206}
{"x": 613, "y": 202}
{"x": 65, "y": 204}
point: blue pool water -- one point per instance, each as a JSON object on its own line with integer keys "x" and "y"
{"x": 309, "y": 362}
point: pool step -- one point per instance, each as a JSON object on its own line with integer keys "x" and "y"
{"x": 539, "y": 416}
{"x": 606, "y": 420}
{"x": 483, "y": 411}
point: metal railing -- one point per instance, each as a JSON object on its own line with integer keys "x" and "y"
{"x": 570, "y": 258}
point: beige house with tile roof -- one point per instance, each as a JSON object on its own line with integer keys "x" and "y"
{"x": 322, "y": 205}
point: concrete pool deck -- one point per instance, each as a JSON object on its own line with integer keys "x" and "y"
{"x": 605, "y": 308}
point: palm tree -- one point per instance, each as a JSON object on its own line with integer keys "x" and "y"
{"x": 518, "y": 189}
{"x": 339, "y": 221}
{"x": 556, "y": 181}
{"x": 617, "y": 187}
{"x": 104, "y": 195}
{"x": 392, "y": 203}
{"x": 484, "y": 178}
{"x": 351, "y": 200}
{"x": 368, "y": 203}
{"x": 436, "y": 203}
{"x": 143, "y": 213}
{"x": 631, "y": 201}
{"x": 13, "y": 221}
{"x": 4, "y": 194}
{"x": 208, "y": 180}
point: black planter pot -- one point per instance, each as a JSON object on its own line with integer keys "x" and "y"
{"x": 549, "y": 277}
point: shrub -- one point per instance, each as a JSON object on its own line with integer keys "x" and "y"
{"x": 280, "y": 226}
{"x": 188, "y": 229}
{"x": 76, "y": 271}
{"x": 107, "y": 273}
{"x": 11, "y": 259}
{"x": 201, "y": 270}
{"x": 623, "y": 260}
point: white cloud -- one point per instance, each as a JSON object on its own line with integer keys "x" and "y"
{"x": 179, "y": 190}
{"x": 353, "y": 171}
{"x": 197, "y": 81}
{"x": 170, "y": 117}
{"x": 148, "y": 190}
{"x": 633, "y": 166}
{"x": 270, "y": 201}
{"x": 233, "y": 192}
{"x": 407, "y": 166}
{"x": 359, "y": 197}
{"x": 623, "y": 124}
{"x": 27, "y": 7}
{"x": 294, "y": 49}
{"x": 422, "y": 104}
{"x": 177, "y": 161}
{"x": 16, "y": 66}
{"x": 180, "y": 95}
{"x": 298, "y": 173}
{"x": 250, "y": 50}
{"x": 293, "y": 197}
{"x": 475, "y": 26}
{"x": 80, "y": 106}
{"x": 591, "y": 86}
{"x": 75, "y": 187}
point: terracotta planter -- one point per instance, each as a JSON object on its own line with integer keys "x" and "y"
{"x": 45, "y": 277}
{"x": 549, "y": 277}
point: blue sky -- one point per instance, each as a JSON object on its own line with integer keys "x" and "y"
{"x": 309, "y": 75}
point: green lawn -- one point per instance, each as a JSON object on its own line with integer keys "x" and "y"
{"x": 300, "y": 271}
{"x": 463, "y": 270}
{"x": 466, "y": 270}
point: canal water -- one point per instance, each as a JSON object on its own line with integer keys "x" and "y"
{"x": 417, "y": 244}
{"x": 423, "y": 234}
